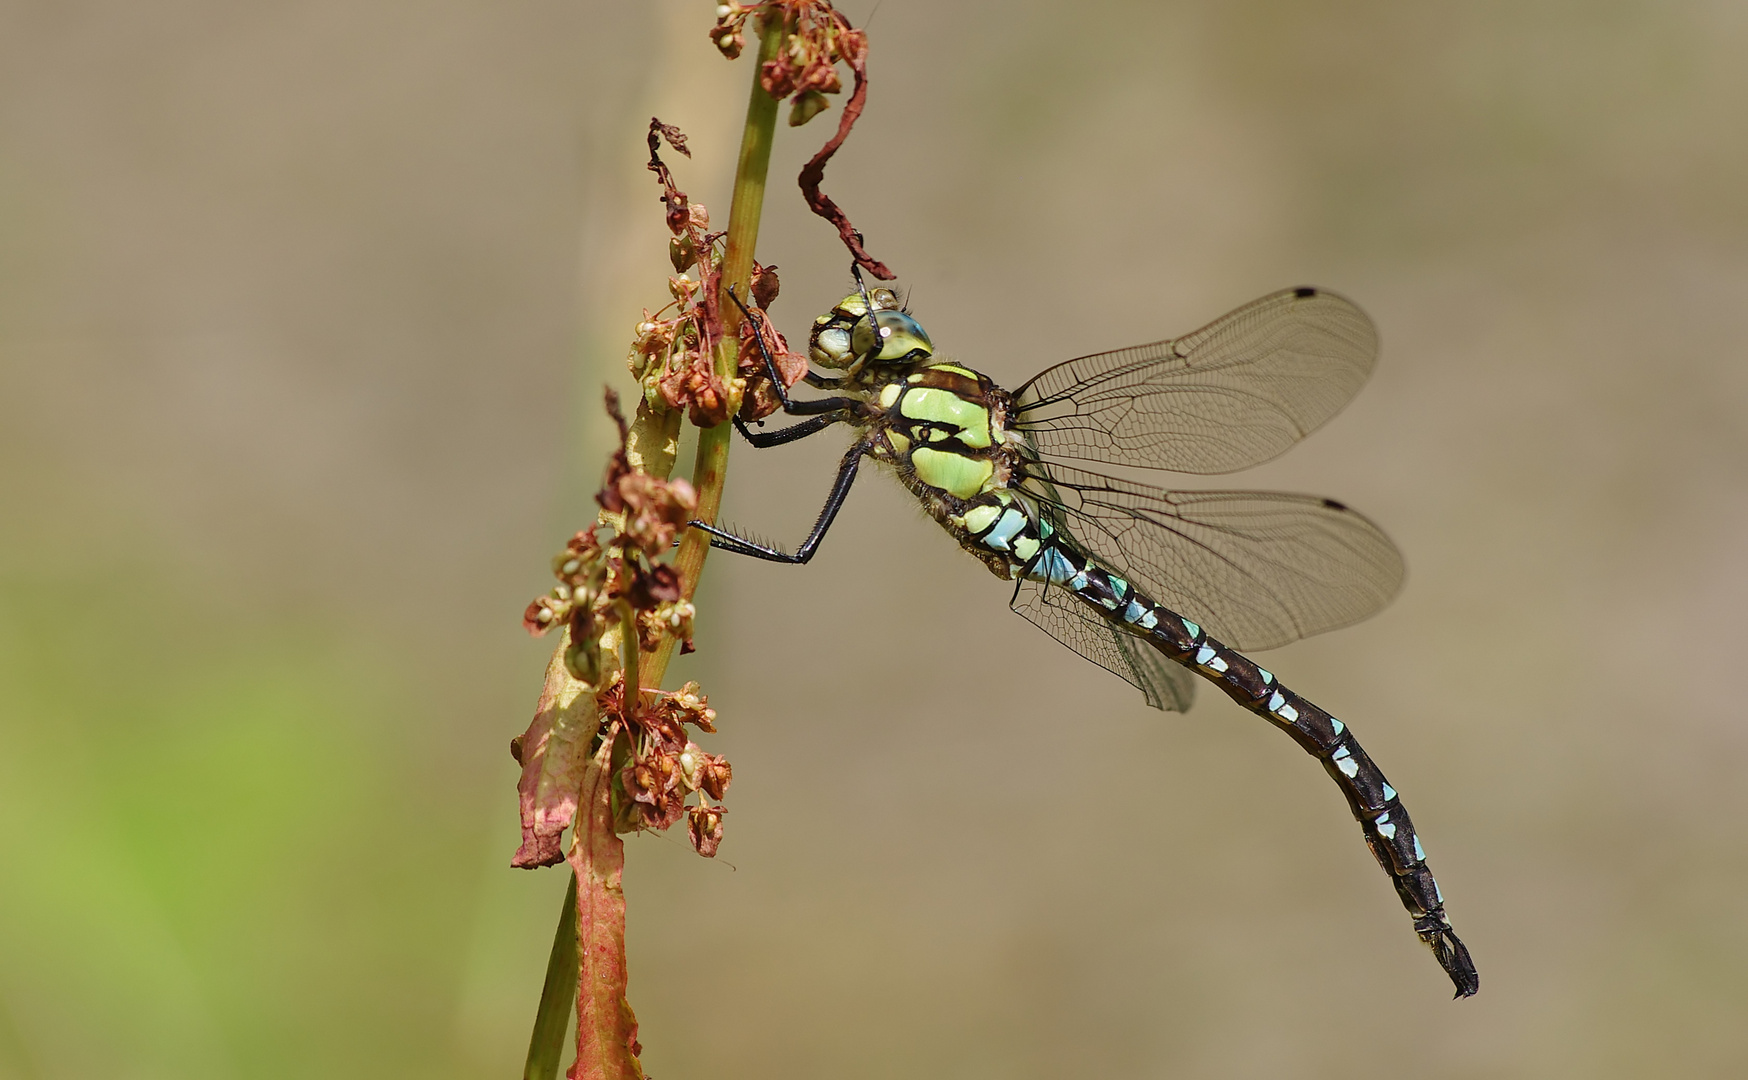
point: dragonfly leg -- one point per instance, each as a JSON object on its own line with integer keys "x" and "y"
{"x": 825, "y": 411}
{"x": 727, "y": 541}
{"x": 763, "y": 439}
{"x": 794, "y": 408}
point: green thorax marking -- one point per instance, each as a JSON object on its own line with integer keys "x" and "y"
{"x": 944, "y": 422}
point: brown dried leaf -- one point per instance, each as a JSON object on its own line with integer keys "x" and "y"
{"x": 553, "y": 753}
{"x": 764, "y": 286}
{"x": 853, "y": 50}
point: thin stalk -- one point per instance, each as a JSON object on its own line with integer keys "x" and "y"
{"x": 711, "y": 467}
{"x": 630, "y": 661}
{"x": 546, "y": 1045}
{"x": 652, "y": 440}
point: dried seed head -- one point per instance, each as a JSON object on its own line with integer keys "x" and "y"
{"x": 690, "y": 761}
{"x": 704, "y": 825}
{"x": 583, "y": 659}
{"x": 764, "y": 286}
{"x": 682, "y": 251}
{"x": 727, "y": 34}
{"x": 679, "y": 211}
{"x": 714, "y": 773}
{"x": 806, "y": 106}
{"x": 544, "y": 614}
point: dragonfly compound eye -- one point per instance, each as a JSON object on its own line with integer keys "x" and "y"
{"x": 890, "y": 337}
{"x": 830, "y": 345}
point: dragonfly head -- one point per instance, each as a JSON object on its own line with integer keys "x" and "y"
{"x": 868, "y": 330}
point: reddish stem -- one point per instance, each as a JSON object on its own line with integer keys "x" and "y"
{"x": 607, "y": 1045}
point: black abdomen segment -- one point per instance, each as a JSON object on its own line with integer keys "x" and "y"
{"x": 1375, "y": 805}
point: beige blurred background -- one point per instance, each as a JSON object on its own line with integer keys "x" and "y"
{"x": 304, "y": 314}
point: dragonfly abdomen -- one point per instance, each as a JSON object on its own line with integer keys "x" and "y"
{"x": 1374, "y": 803}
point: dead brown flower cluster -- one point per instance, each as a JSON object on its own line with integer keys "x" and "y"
{"x": 599, "y": 585}
{"x": 604, "y": 756}
{"x": 817, "y": 39}
{"x": 665, "y": 767}
{"x": 596, "y": 581}
{"x": 674, "y": 353}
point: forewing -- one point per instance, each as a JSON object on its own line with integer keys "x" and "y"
{"x": 1237, "y": 392}
{"x": 1055, "y": 611}
{"x": 1256, "y": 569}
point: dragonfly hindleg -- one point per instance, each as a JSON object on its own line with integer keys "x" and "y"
{"x": 721, "y": 538}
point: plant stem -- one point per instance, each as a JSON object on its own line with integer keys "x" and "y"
{"x": 546, "y": 1045}
{"x": 651, "y": 448}
{"x": 631, "y": 661}
{"x": 745, "y": 207}
{"x": 607, "y": 1046}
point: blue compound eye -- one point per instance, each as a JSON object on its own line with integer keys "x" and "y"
{"x": 890, "y": 336}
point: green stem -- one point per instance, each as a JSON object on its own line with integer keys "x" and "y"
{"x": 711, "y": 467}
{"x": 631, "y": 661}
{"x": 652, "y": 439}
{"x": 546, "y": 1045}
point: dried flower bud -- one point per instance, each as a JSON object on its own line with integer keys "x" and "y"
{"x": 655, "y": 511}
{"x": 692, "y": 707}
{"x": 583, "y": 660}
{"x": 806, "y": 106}
{"x": 764, "y": 286}
{"x": 682, "y": 252}
{"x": 681, "y": 287}
{"x": 695, "y": 388}
{"x": 544, "y": 614}
{"x": 691, "y": 760}
{"x": 714, "y": 773}
{"x": 726, "y": 35}
{"x": 652, "y": 339}
{"x": 669, "y": 619}
{"x": 679, "y": 211}
{"x": 704, "y": 825}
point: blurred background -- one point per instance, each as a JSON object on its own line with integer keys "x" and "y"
{"x": 305, "y": 311}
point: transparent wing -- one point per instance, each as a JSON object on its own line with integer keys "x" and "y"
{"x": 1257, "y": 569}
{"x": 1237, "y": 392}
{"x": 1056, "y": 612}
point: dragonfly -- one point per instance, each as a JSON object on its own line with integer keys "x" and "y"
{"x": 1160, "y": 587}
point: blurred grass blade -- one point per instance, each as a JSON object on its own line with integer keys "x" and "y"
{"x": 546, "y": 1045}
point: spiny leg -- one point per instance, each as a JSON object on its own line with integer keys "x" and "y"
{"x": 834, "y": 502}
{"x": 821, "y": 415}
{"x": 821, "y": 382}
